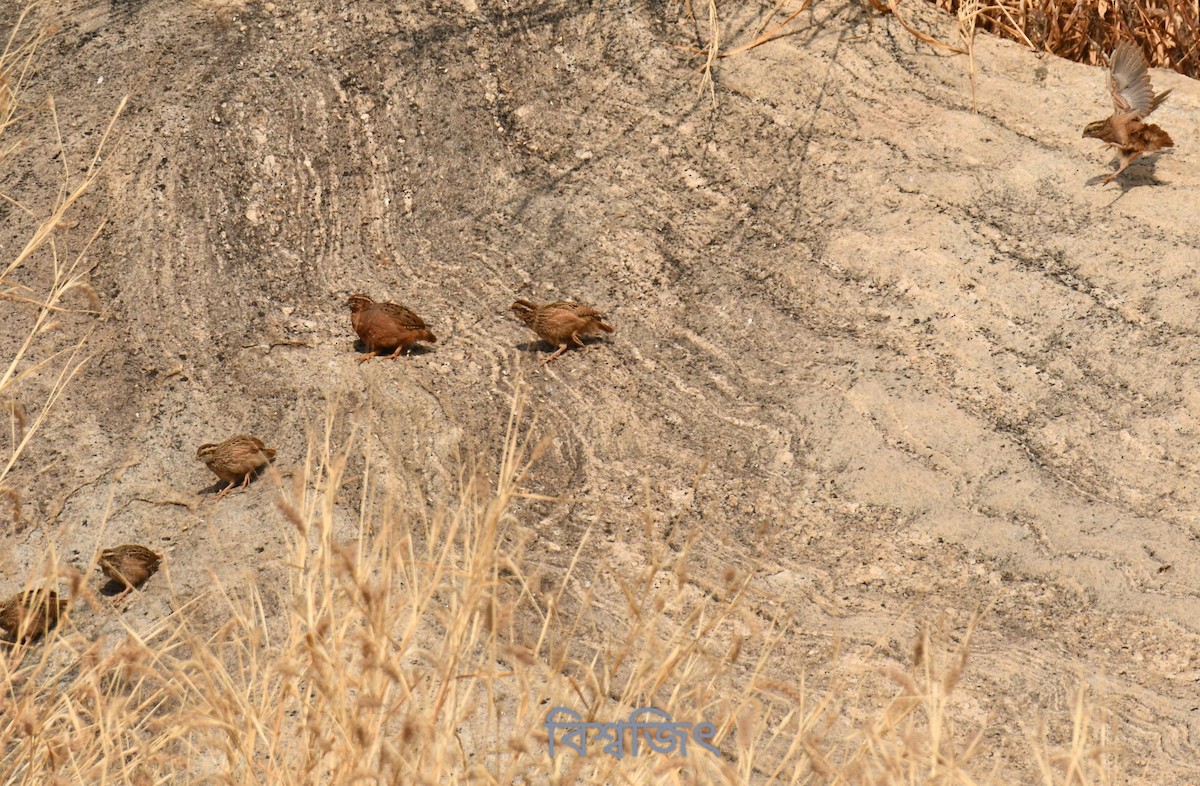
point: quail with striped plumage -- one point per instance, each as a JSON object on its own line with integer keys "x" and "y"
{"x": 384, "y": 326}
{"x": 1133, "y": 100}
{"x": 129, "y": 565}
{"x": 28, "y": 615}
{"x": 237, "y": 458}
{"x": 561, "y": 323}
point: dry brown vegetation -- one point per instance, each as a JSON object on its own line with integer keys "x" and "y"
{"x": 422, "y": 651}
{"x": 1168, "y": 31}
{"x": 425, "y": 650}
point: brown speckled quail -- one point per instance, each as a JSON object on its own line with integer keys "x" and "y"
{"x": 237, "y": 458}
{"x": 561, "y": 323}
{"x": 1133, "y": 99}
{"x": 383, "y": 326}
{"x": 129, "y": 565}
{"x": 27, "y": 615}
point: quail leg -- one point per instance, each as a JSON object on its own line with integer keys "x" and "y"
{"x": 561, "y": 350}
{"x": 1125, "y": 162}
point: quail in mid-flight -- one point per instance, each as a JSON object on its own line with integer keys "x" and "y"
{"x": 1133, "y": 100}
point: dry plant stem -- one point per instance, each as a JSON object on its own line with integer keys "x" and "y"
{"x": 422, "y": 650}
{"x": 758, "y": 33}
{"x": 968, "y": 13}
{"x": 15, "y": 64}
{"x": 893, "y": 8}
{"x": 1166, "y": 31}
{"x": 1089, "y": 758}
{"x": 773, "y": 34}
{"x": 711, "y": 50}
{"x": 1014, "y": 28}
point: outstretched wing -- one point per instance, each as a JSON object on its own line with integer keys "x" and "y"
{"x": 1129, "y": 81}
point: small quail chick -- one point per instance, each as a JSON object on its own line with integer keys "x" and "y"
{"x": 1133, "y": 99}
{"x": 561, "y": 323}
{"x": 383, "y": 326}
{"x": 237, "y": 458}
{"x": 26, "y": 616}
{"x": 129, "y": 565}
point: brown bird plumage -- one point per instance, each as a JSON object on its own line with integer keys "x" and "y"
{"x": 1133, "y": 100}
{"x": 383, "y": 326}
{"x": 237, "y": 458}
{"x": 129, "y": 565}
{"x": 27, "y": 615}
{"x": 561, "y": 323}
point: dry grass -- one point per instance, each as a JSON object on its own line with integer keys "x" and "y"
{"x": 426, "y": 651}
{"x": 43, "y": 277}
{"x": 429, "y": 650}
{"x": 777, "y": 23}
{"x": 1088, "y": 30}
{"x": 1168, "y": 31}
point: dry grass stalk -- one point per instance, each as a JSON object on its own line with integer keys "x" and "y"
{"x": 779, "y": 30}
{"x": 66, "y": 280}
{"x": 968, "y": 16}
{"x": 1167, "y": 31}
{"x": 424, "y": 650}
{"x": 711, "y": 49}
{"x": 1089, "y": 758}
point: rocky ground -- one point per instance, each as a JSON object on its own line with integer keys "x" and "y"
{"x": 917, "y": 349}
